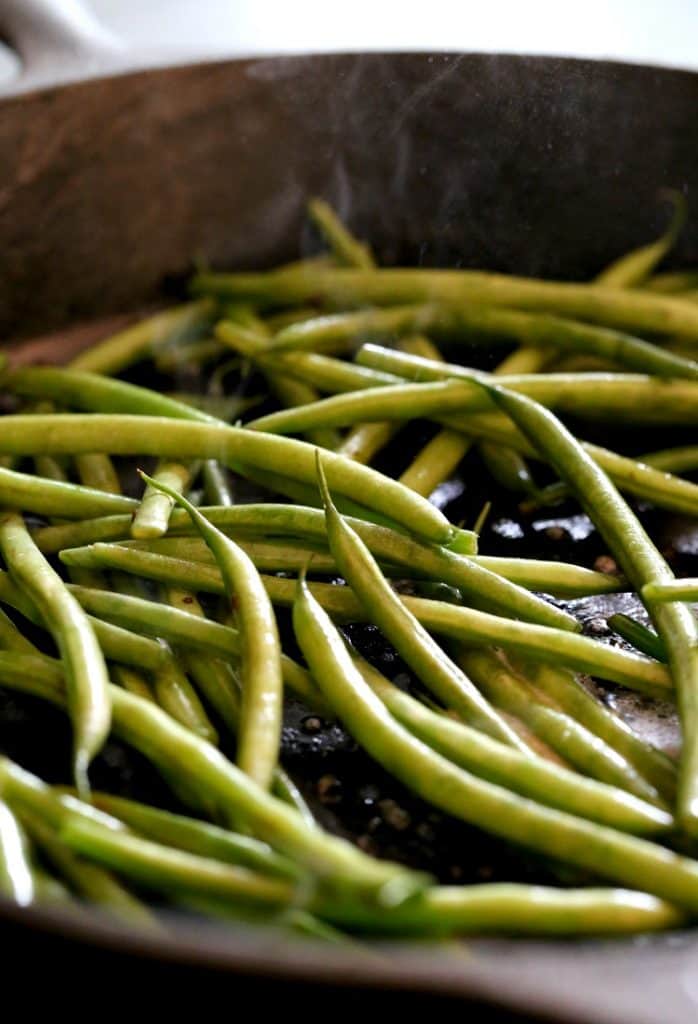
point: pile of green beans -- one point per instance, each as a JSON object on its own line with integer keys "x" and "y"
{"x": 103, "y": 610}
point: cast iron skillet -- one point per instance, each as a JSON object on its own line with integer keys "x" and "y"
{"x": 109, "y": 187}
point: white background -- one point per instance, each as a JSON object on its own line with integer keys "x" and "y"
{"x": 647, "y": 31}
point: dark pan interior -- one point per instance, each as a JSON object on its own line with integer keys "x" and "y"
{"x": 109, "y": 189}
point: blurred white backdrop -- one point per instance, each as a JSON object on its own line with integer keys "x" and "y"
{"x": 647, "y": 31}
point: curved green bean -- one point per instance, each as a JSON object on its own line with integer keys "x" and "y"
{"x": 633, "y": 268}
{"x": 346, "y": 249}
{"x": 86, "y": 672}
{"x": 134, "y": 435}
{"x": 259, "y": 732}
{"x": 152, "y": 516}
{"x": 16, "y": 873}
{"x": 45, "y": 496}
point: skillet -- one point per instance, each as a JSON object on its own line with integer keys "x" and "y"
{"x": 113, "y": 178}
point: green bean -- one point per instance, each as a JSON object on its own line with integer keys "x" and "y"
{"x": 641, "y": 562}
{"x": 185, "y": 355}
{"x": 96, "y": 393}
{"x": 463, "y": 289}
{"x": 116, "y": 643}
{"x": 672, "y": 282}
{"x": 628, "y": 859}
{"x": 175, "y": 694}
{"x": 97, "y": 470}
{"x": 134, "y": 682}
{"x": 572, "y": 697}
{"x": 435, "y": 462}
{"x": 345, "y": 248}
{"x": 152, "y": 516}
{"x": 547, "y": 783}
{"x": 577, "y": 745}
{"x": 285, "y": 789}
{"x": 322, "y": 372}
{"x": 529, "y": 910}
{"x": 411, "y": 640}
{"x": 161, "y": 868}
{"x": 673, "y": 460}
{"x": 49, "y": 890}
{"x": 86, "y": 672}
{"x": 481, "y": 324}
{"x": 145, "y": 435}
{"x": 196, "y": 836}
{"x": 16, "y": 873}
{"x": 639, "y": 397}
{"x": 365, "y": 440}
{"x": 260, "y": 655}
{"x": 638, "y": 635}
{"x": 632, "y": 269}
{"x": 11, "y": 639}
{"x": 561, "y": 579}
{"x": 670, "y": 590}
{"x": 345, "y": 871}
{"x": 143, "y": 338}
{"x": 87, "y": 880}
{"x": 57, "y": 498}
{"x": 216, "y": 485}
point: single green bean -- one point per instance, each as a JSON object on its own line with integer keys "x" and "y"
{"x": 145, "y": 435}
{"x": 261, "y": 679}
{"x": 670, "y": 590}
{"x": 628, "y": 859}
{"x": 216, "y": 484}
{"x": 16, "y": 872}
{"x": 134, "y": 682}
{"x": 411, "y": 640}
{"x": 638, "y": 635}
{"x": 144, "y": 338}
{"x": 57, "y": 498}
{"x": 542, "y": 781}
{"x": 86, "y": 671}
{"x": 462, "y": 289}
{"x": 346, "y": 249}
{"x": 632, "y": 269}
{"x": 97, "y": 471}
{"x": 672, "y": 282}
{"x": 641, "y": 562}
{"x": 176, "y": 695}
{"x": 673, "y": 460}
{"x": 11, "y": 639}
{"x": 152, "y": 516}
